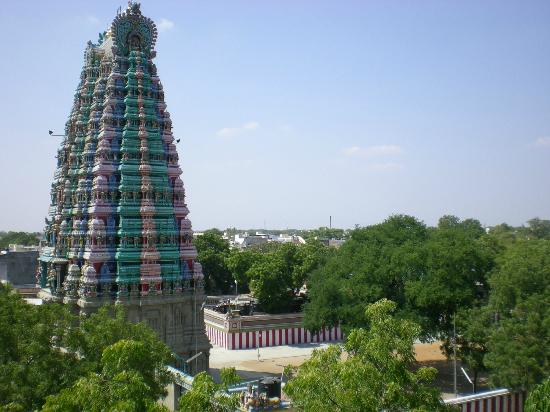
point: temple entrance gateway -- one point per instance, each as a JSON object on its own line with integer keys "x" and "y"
{"x": 117, "y": 230}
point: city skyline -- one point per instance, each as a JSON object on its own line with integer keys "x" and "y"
{"x": 291, "y": 112}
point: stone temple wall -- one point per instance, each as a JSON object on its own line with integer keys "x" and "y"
{"x": 263, "y": 330}
{"x": 18, "y": 268}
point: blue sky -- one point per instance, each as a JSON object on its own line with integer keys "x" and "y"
{"x": 291, "y": 111}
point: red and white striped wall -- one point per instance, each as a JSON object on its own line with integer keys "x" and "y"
{"x": 270, "y": 337}
{"x": 495, "y": 401}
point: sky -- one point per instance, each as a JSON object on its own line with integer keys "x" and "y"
{"x": 293, "y": 111}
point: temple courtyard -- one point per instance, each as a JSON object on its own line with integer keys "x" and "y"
{"x": 272, "y": 360}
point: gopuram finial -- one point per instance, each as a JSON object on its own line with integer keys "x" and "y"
{"x": 134, "y": 7}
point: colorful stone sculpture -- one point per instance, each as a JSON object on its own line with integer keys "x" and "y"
{"x": 118, "y": 228}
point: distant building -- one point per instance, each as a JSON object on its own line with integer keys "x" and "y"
{"x": 245, "y": 240}
{"x": 335, "y": 242}
{"x": 246, "y": 329}
{"x": 18, "y": 266}
{"x": 284, "y": 238}
{"x": 22, "y": 248}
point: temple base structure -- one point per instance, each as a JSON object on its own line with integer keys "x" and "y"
{"x": 177, "y": 320}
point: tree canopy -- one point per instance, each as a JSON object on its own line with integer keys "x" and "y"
{"x": 31, "y": 364}
{"x": 372, "y": 371}
{"x": 207, "y": 396}
{"x": 519, "y": 342}
{"x": 132, "y": 379}
{"x": 428, "y": 272}
{"x": 239, "y": 262}
{"x": 539, "y": 398}
{"x": 457, "y": 260}
{"x": 45, "y": 350}
{"x": 276, "y": 275}
{"x": 213, "y": 250}
{"x": 18, "y": 238}
{"x": 495, "y": 286}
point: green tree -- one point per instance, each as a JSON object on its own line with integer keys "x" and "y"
{"x": 213, "y": 250}
{"x": 519, "y": 343}
{"x": 375, "y": 262}
{"x": 538, "y": 228}
{"x": 371, "y": 372}
{"x": 539, "y": 398}
{"x": 207, "y": 396}
{"x": 458, "y": 258}
{"x": 504, "y": 234}
{"x": 239, "y": 262}
{"x": 229, "y": 377}
{"x": 522, "y": 271}
{"x": 18, "y": 238}
{"x": 324, "y": 233}
{"x": 278, "y": 273}
{"x": 518, "y": 354}
{"x": 132, "y": 379}
{"x": 106, "y": 327}
{"x": 309, "y": 258}
{"x": 45, "y": 349}
{"x": 31, "y": 364}
{"x": 271, "y": 284}
{"x": 473, "y": 330}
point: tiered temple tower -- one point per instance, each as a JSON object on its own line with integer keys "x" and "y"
{"x": 118, "y": 230}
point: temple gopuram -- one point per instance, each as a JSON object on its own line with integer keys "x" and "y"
{"x": 117, "y": 230}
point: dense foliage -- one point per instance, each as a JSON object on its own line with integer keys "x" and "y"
{"x": 494, "y": 287}
{"x": 276, "y": 276}
{"x": 371, "y": 372}
{"x": 273, "y": 272}
{"x": 18, "y": 238}
{"x": 212, "y": 250}
{"x": 428, "y": 272}
{"x": 323, "y": 233}
{"x": 45, "y": 349}
{"x": 31, "y": 364}
{"x": 207, "y": 396}
{"x": 539, "y": 398}
{"x": 519, "y": 343}
{"x": 128, "y": 381}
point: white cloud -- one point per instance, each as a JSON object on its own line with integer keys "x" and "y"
{"x": 542, "y": 142}
{"x": 165, "y": 25}
{"x": 351, "y": 151}
{"x": 373, "y": 151}
{"x": 228, "y": 132}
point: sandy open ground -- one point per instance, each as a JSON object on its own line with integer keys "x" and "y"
{"x": 272, "y": 361}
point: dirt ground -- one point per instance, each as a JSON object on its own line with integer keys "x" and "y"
{"x": 429, "y": 352}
